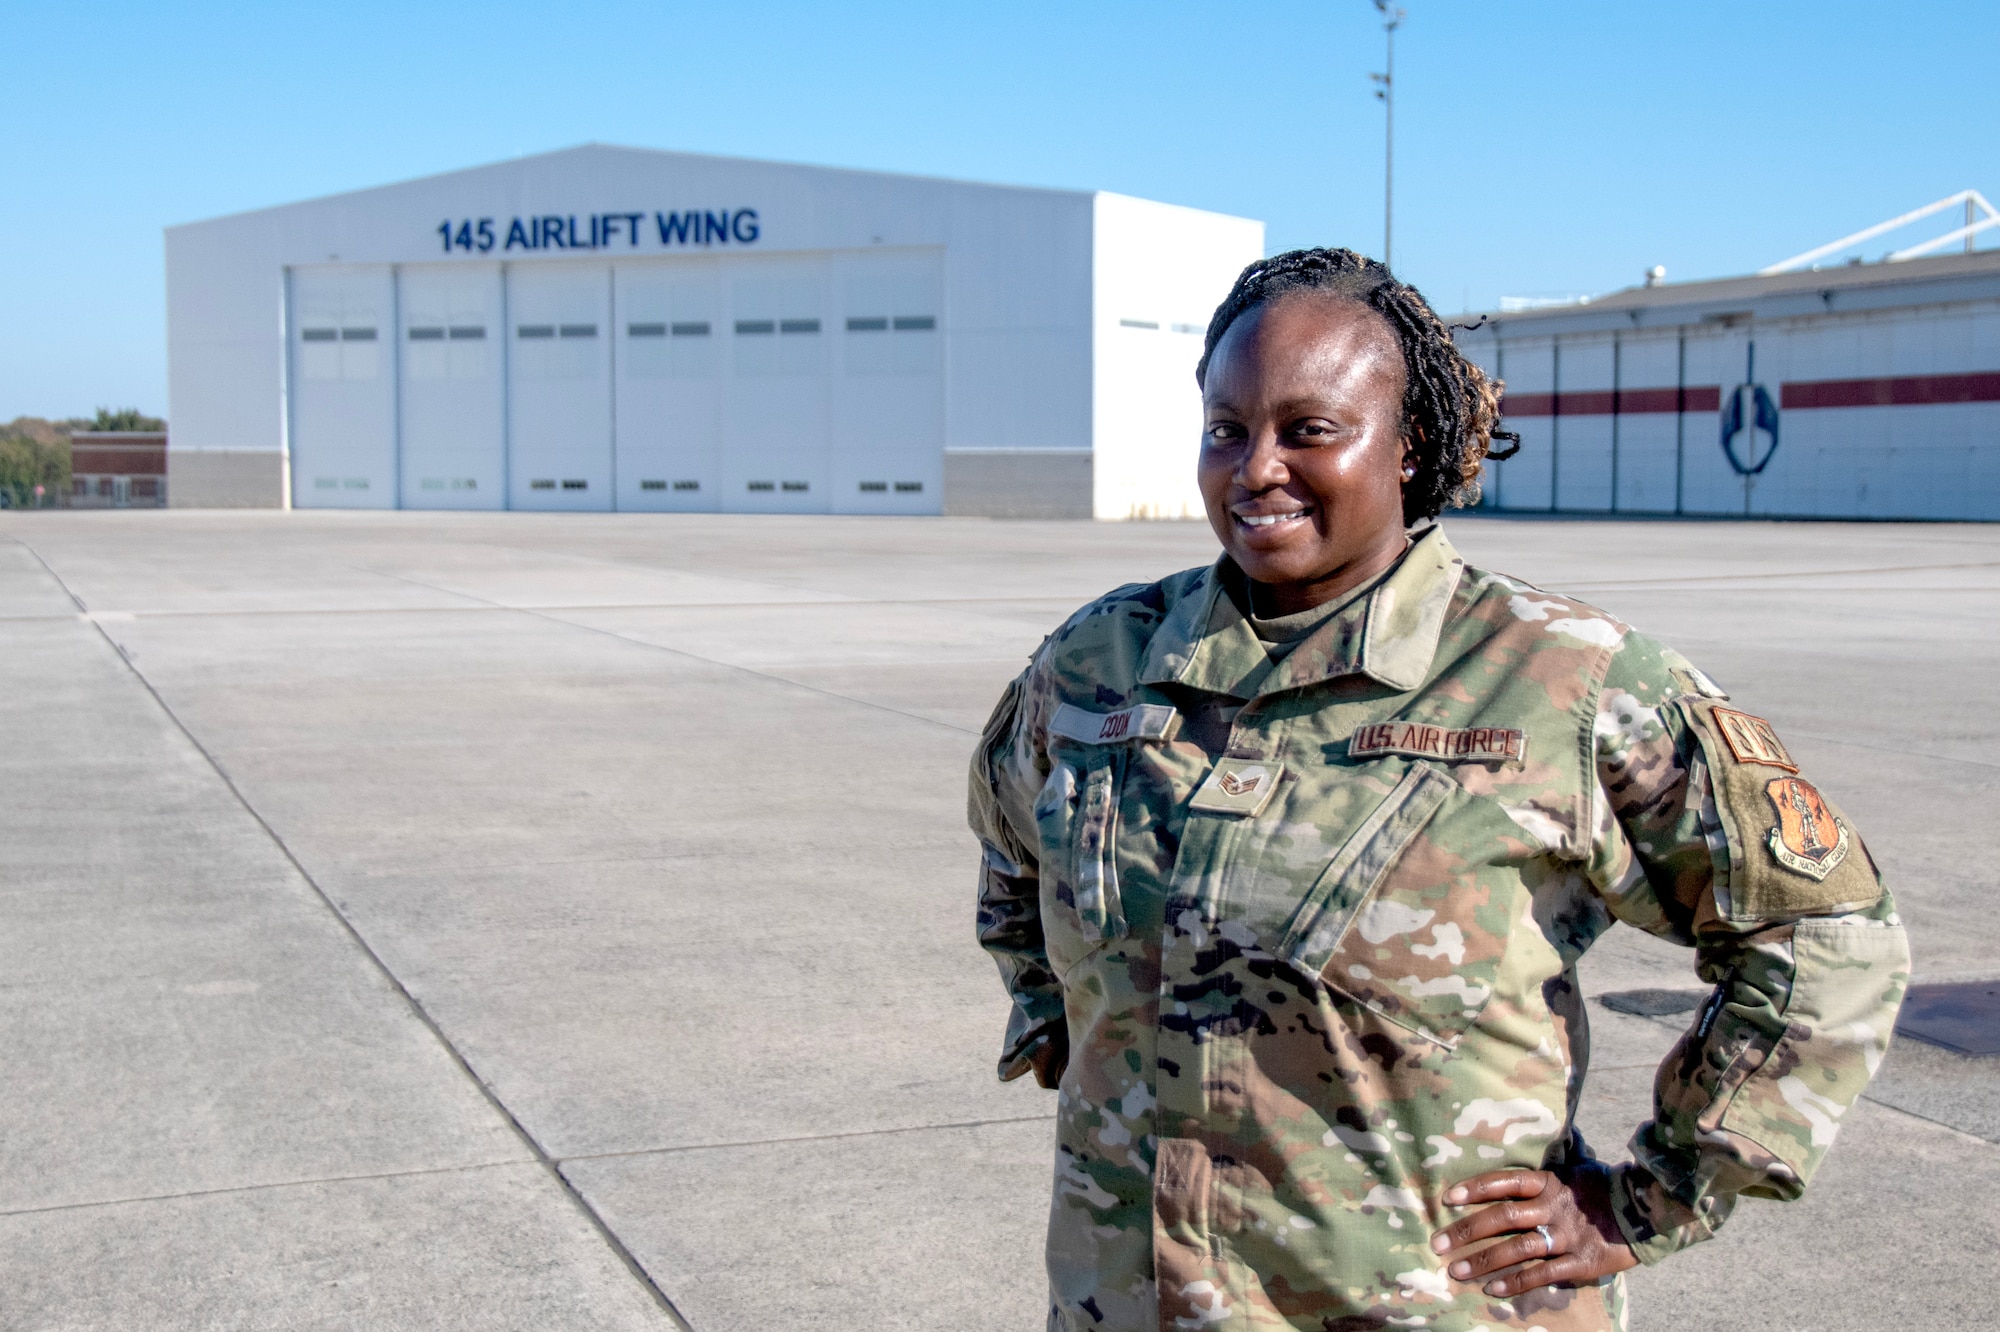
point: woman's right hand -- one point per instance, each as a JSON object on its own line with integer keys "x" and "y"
{"x": 1563, "y": 1231}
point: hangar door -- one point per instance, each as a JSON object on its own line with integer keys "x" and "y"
{"x": 671, "y": 342}
{"x": 774, "y": 456}
{"x": 453, "y": 413}
{"x": 343, "y": 399}
{"x": 782, "y": 383}
{"x": 559, "y": 387}
{"x": 887, "y": 410}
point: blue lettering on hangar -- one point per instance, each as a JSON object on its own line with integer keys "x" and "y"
{"x": 600, "y": 231}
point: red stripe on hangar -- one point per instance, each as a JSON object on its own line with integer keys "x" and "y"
{"x": 1621, "y": 402}
{"x": 1896, "y": 391}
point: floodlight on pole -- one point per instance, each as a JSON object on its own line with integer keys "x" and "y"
{"x": 1392, "y": 19}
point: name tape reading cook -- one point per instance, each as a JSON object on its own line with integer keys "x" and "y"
{"x": 1474, "y": 744}
{"x": 1146, "y": 721}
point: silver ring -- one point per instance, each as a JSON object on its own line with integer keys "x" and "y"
{"x": 1548, "y": 1240}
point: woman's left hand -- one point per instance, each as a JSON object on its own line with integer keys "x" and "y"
{"x": 1570, "y": 1233}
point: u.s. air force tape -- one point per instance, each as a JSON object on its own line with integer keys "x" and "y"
{"x": 1144, "y": 721}
{"x": 1472, "y": 744}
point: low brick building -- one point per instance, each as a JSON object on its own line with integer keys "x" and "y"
{"x": 118, "y": 469}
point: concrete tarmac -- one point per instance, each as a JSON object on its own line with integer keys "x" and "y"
{"x": 529, "y": 921}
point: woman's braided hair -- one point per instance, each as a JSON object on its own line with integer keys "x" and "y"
{"x": 1449, "y": 405}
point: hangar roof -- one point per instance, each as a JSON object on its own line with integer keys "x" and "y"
{"x": 1936, "y": 280}
{"x": 611, "y": 156}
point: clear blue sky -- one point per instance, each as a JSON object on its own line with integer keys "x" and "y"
{"x": 1542, "y": 147}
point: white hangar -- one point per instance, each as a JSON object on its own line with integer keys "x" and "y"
{"x": 1863, "y": 391}
{"x": 609, "y": 328}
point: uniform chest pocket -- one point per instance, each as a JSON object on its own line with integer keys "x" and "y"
{"x": 1076, "y": 819}
{"x": 1412, "y": 914}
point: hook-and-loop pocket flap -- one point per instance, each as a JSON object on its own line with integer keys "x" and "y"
{"x": 1077, "y": 820}
{"x": 1325, "y": 912}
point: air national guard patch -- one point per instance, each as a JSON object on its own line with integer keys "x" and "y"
{"x": 1809, "y": 838}
{"x": 1476, "y": 744}
{"x": 1238, "y": 786}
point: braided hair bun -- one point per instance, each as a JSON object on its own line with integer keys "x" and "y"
{"x": 1449, "y": 405}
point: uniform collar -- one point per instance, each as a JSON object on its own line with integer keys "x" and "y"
{"x": 1389, "y": 633}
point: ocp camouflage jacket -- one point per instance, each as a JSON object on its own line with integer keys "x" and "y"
{"x": 1296, "y": 940}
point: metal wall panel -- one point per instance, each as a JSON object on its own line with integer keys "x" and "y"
{"x": 559, "y": 424}
{"x": 1644, "y": 457}
{"x": 1581, "y": 448}
{"x": 452, "y": 390}
{"x": 886, "y": 428}
{"x": 1883, "y": 413}
{"x": 775, "y": 399}
{"x": 1524, "y": 481}
{"x": 341, "y": 336}
{"x": 673, "y": 340}
{"x": 1709, "y": 485}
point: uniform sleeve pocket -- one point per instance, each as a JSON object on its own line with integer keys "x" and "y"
{"x": 1076, "y": 816}
{"x": 1847, "y": 984}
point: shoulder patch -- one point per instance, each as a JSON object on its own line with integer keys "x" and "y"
{"x": 1809, "y": 839}
{"x": 1788, "y": 844}
{"x": 1752, "y": 739}
{"x": 1145, "y": 721}
{"x": 1475, "y": 744}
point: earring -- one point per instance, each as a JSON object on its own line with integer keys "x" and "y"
{"x": 1409, "y": 472}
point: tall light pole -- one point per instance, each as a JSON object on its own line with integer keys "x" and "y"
{"x": 1392, "y": 19}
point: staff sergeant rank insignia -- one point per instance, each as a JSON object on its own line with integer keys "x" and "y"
{"x": 1238, "y": 786}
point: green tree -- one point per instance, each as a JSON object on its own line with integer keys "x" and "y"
{"x": 125, "y": 418}
{"x": 26, "y": 462}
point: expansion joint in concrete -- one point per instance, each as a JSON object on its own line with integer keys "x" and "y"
{"x": 416, "y": 1007}
{"x": 308, "y": 1182}
{"x": 1668, "y": 584}
{"x": 689, "y": 656}
{"x": 735, "y": 1145}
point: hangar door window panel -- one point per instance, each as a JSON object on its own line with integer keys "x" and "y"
{"x": 891, "y": 320}
{"x": 779, "y": 326}
{"x": 338, "y": 321}
{"x": 774, "y": 453}
{"x": 343, "y": 423}
{"x": 451, "y": 400}
{"x": 559, "y": 391}
{"x": 887, "y": 424}
{"x": 669, "y": 398}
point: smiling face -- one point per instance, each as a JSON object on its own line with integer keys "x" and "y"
{"x": 1303, "y": 448}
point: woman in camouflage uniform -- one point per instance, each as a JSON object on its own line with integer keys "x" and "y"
{"x": 1289, "y": 860}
